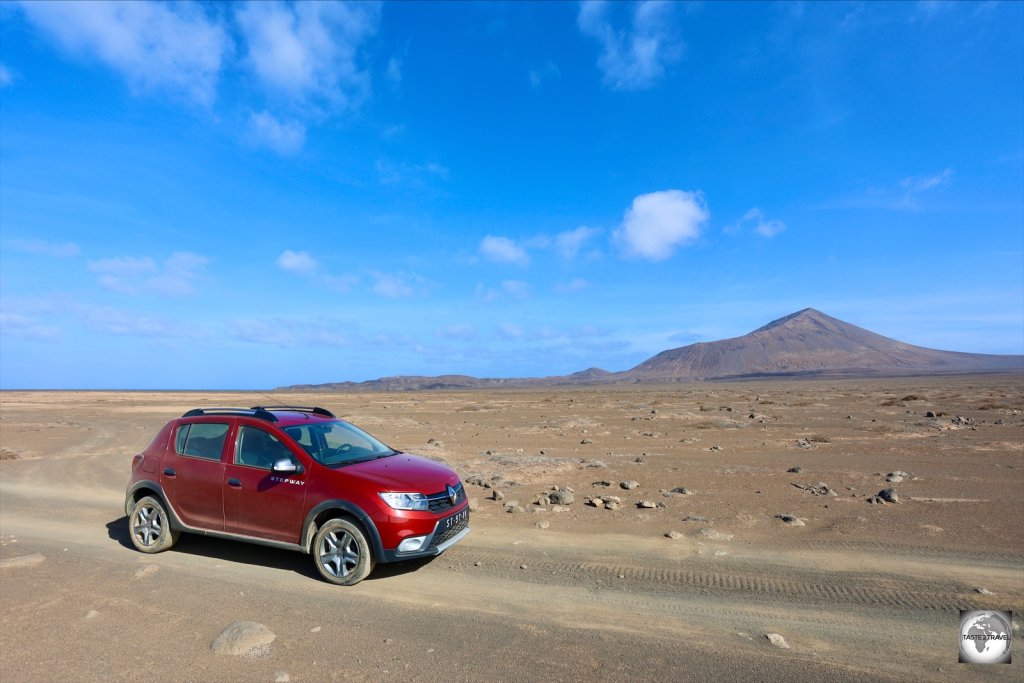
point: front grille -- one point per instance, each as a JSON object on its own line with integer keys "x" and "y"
{"x": 442, "y": 537}
{"x": 438, "y": 502}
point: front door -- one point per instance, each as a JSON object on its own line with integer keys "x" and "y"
{"x": 257, "y": 501}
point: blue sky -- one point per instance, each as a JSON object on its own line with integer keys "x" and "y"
{"x": 245, "y": 196}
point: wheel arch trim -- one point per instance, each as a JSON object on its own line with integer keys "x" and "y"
{"x": 350, "y": 509}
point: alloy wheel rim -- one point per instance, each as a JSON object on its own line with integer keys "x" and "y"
{"x": 339, "y": 553}
{"x": 148, "y": 525}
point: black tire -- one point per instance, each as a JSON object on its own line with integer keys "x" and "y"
{"x": 150, "y": 527}
{"x": 341, "y": 552}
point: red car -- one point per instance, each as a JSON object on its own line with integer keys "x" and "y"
{"x": 297, "y": 478}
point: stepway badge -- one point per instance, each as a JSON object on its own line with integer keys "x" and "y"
{"x": 985, "y": 636}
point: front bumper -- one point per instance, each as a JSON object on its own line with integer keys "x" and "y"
{"x": 446, "y": 533}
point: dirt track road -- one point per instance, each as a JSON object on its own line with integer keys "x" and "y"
{"x": 578, "y": 601}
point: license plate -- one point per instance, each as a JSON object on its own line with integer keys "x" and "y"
{"x": 455, "y": 520}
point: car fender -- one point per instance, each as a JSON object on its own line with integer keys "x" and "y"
{"x": 349, "y": 508}
{"x": 129, "y": 499}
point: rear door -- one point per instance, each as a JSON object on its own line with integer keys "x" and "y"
{"x": 258, "y": 502}
{"x": 193, "y": 472}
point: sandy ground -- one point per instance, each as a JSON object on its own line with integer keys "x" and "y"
{"x": 858, "y": 592}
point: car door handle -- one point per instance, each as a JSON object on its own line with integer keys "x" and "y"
{"x": 168, "y": 472}
{"x": 234, "y": 482}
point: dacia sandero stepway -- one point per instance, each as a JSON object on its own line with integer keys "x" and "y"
{"x": 293, "y": 477}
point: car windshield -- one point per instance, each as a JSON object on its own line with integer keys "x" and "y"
{"x": 337, "y": 443}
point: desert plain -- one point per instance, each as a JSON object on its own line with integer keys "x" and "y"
{"x": 631, "y": 580}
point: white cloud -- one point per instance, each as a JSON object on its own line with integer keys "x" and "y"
{"x": 302, "y": 264}
{"x": 290, "y": 333}
{"x": 394, "y": 72}
{"x": 283, "y": 137}
{"x": 394, "y": 131}
{"x": 392, "y": 286}
{"x": 914, "y": 186}
{"x": 153, "y": 45}
{"x": 765, "y": 228}
{"x": 414, "y": 175}
{"x": 45, "y": 248}
{"x": 659, "y": 222}
{"x": 457, "y": 331}
{"x": 510, "y": 331}
{"x": 544, "y": 73}
{"x": 573, "y": 286}
{"x": 122, "y": 274}
{"x": 516, "y": 288}
{"x": 114, "y": 321}
{"x": 135, "y": 275}
{"x": 570, "y": 243}
{"x": 26, "y": 327}
{"x": 298, "y": 262}
{"x": 504, "y": 250}
{"x": 179, "y": 273}
{"x": 933, "y": 8}
{"x": 339, "y": 283}
{"x": 309, "y": 52}
{"x": 633, "y": 57}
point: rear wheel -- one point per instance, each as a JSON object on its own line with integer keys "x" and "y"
{"x": 341, "y": 552}
{"x": 150, "y": 526}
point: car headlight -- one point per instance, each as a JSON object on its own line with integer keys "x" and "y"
{"x": 405, "y": 501}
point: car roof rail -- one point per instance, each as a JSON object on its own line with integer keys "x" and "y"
{"x": 316, "y": 410}
{"x": 259, "y": 413}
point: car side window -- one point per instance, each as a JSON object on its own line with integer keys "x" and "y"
{"x": 257, "y": 448}
{"x": 304, "y": 437}
{"x": 201, "y": 439}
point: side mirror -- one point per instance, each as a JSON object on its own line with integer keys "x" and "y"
{"x": 286, "y": 466}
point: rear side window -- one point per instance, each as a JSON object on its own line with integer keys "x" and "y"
{"x": 201, "y": 440}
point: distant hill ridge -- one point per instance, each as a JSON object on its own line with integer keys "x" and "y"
{"x": 807, "y": 343}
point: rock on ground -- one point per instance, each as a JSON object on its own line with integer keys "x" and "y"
{"x": 791, "y": 520}
{"x": 889, "y": 495}
{"x": 243, "y": 638}
{"x": 777, "y": 640}
{"x": 562, "y": 497}
{"x": 629, "y": 485}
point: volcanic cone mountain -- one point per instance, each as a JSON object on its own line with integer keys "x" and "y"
{"x": 809, "y": 342}
{"x": 806, "y": 343}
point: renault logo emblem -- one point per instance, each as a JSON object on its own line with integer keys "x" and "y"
{"x": 452, "y": 495}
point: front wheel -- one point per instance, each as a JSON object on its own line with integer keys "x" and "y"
{"x": 150, "y": 526}
{"x": 341, "y": 552}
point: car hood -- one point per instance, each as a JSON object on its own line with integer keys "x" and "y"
{"x": 405, "y": 473}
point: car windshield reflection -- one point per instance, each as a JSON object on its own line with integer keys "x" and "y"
{"x": 338, "y": 443}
